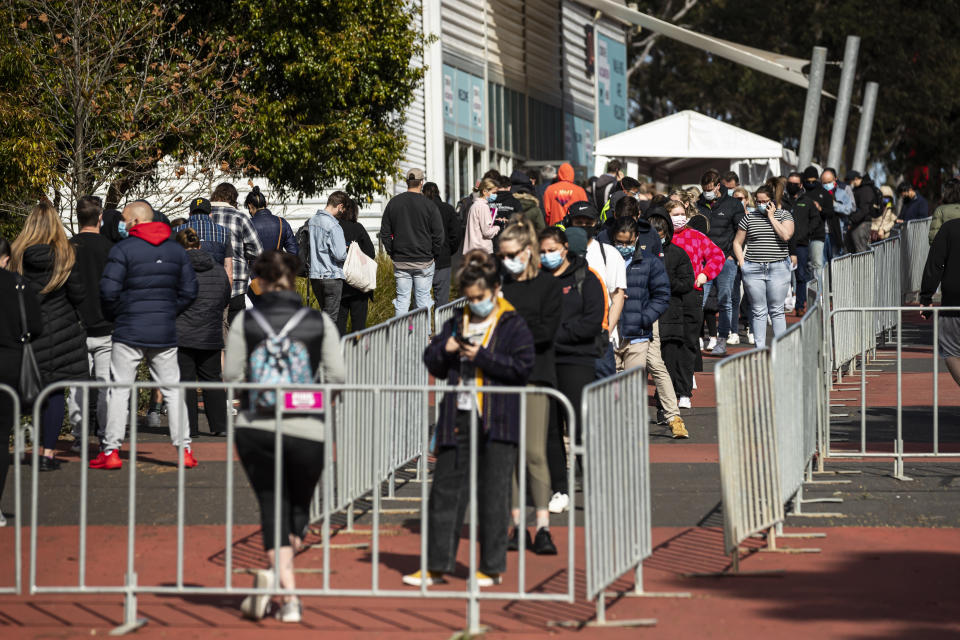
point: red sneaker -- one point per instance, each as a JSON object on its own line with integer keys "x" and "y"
{"x": 189, "y": 462}
{"x": 108, "y": 461}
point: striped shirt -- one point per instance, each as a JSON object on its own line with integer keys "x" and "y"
{"x": 244, "y": 240}
{"x": 763, "y": 243}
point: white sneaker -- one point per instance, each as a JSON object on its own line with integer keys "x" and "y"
{"x": 3, "y": 520}
{"x": 683, "y": 402}
{"x": 700, "y": 342}
{"x": 694, "y": 382}
{"x": 559, "y": 503}
{"x": 711, "y": 343}
{"x": 153, "y": 419}
{"x": 750, "y": 337}
{"x": 254, "y": 607}
{"x": 733, "y": 338}
{"x": 290, "y": 612}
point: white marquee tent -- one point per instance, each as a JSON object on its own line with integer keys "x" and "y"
{"x": 678, "y": 148}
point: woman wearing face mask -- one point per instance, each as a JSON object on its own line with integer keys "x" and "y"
{"x": 489, "y": 344}
{"x": 765, "y": 263}
{"x": 480, "y": 227}
{"x": 583, "y": 319}
{"x": 537, "y": 297}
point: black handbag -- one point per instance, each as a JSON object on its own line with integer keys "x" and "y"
{"x": 31, "y": 382}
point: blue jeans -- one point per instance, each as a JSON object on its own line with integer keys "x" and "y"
{"x": 815, "y": 259}
{"x": 767, "y": 284}
{"x": 420, "y": 281}
{"x": 606, "y": 365}
{"x": 803, "y": 275}
{"x": 725, "y": 281}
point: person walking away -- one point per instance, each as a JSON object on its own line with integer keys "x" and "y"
{"x": 523, "y": 190}
{"x": 949, "y": 208}
{"x": 200, "y": 336}
{"x": 608, "y": 264}
{"x": 707, "y": 259}
{"x": 451, "y": 244}
{"x": 606, "y": 184}
{"x": 868, "y": 202}
{"x": 47, "y": 261}
{"x": 648, "y": 296}
{"x": 723, "y": 212}
{"x": 882, "y": 225}
{"x": 273, "y": 231}
{"x": 353, "y": 302}
{"x": 15, "y": 290}
{"x": 579, "y": 342}
{"x": 328, "y": 250}
{"x": 214, "y": 238}
{"x": 92, "y": 249}
{"x": 765, "y": 263}
{"x": 411, "y": 232}
{"x": 244, "y": 240}
{"x": 537, "y": 297}
{"x": 671, "y": 328}
{"x": 480, "y": 223}
{"x": 488, "y": 344}
{"x": 147, "y": 281}
{"x": 942, "y": 270}
{"x": 297, "y": 338}
{"x": 561, "y": 194}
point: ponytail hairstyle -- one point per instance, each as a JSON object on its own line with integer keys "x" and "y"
{"x": 43, "y": 226}
{"x": 278, "y": 269}
{"x": 188, "y": 239}
{"x": 778, "y": 184}
{"x": 256, "y": 199}
{"x": 479, "y": 267}
{"x": 487, "y": 184}
{"x": 521, "y": 231}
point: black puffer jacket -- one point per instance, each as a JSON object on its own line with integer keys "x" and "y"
{"x": 61, "y": 349}
{"x": 672, "y": 323}
{"x": 200, "y": 326}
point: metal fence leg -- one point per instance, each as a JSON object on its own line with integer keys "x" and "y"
{"x": 130, "y": 620}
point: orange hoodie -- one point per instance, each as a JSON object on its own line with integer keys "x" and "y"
{"x": 561, "y": 194}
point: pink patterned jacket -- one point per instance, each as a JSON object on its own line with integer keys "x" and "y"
{"x": 707, "y": 258}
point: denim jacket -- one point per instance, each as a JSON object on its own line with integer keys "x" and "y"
{"x": 328, "y": 249}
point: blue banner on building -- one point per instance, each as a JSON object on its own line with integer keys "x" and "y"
{"x": 462, "y": 105}
{"x": 612, "y": 83}
{"x": 578, "y": 143}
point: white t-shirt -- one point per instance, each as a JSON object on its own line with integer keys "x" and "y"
{"x": 474, "y": 334}
{"x": 608, "y": 262}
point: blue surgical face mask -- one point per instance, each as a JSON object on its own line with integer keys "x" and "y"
{"x": 122, "y": 229}
{"x": 626, "y": 252}
{"x": 483, "y": 308}
{"x": 550, "y": 260}
{"x": 516, "y": 264}
{"x": 709, "y": 195}
{"x": 829, "y": 185}
{"x": 492, "y": 197}
{"x": 729, "y": 192}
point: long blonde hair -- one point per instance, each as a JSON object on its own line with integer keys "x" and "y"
{"x": 521, "y": 231}
{"x": 43, "y": 226}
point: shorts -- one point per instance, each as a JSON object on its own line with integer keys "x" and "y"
{"x": 949, "y": 337}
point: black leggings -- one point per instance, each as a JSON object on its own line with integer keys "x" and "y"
{"x": 571, "y": 379}
{"x": 302, "y": 467}
{"x": 7, "y": 420}
{"x": 203, "y": 365}
{"x": 51, "y": 417}
{"x": 354, "y": 307}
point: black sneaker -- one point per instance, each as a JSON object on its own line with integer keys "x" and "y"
{"x": 661, "y": 417}
{"x": 513, "y": 540}
{"x": 543, "y": 544}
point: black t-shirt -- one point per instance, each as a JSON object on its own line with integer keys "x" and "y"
{"x": 92, "y": 252}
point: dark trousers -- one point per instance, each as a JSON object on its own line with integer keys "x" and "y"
{"x": 302, "y": 467}
{"x": 237, "y": 304}
{"x": 203, "y": 365}
{"x": 354, "y": 307}
{"x": 606, "y": 364}
{"x": 328, "y": 292}
{"x": 803, "y": 276}
{"x": 7, "y": 420}
{"x": 441, "y": 286}
{"x": 571, "y": 379}
{"x": 51, "y": 417}
{"x": 679, "y": 360}
{"x": 450, "y": 498}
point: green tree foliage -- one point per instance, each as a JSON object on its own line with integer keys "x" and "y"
{"x": 912, "y": 52}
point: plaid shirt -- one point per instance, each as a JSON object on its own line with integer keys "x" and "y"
{"x": 214, "y": 238}
{"x": 246, "y": 243}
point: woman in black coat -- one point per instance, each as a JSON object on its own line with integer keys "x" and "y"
{"x": 11, "y": 350}
{"x": 46, "y": 259}
{"x": 353, "y": 302}
{"x": 200, "y": 335}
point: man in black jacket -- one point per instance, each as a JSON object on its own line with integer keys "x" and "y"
{"x": 724, "y": 213}
{"x": 816, "y": 230}
{"x": 451, "y": 244}
{"x": 865, "y": 195}
{"x": 808, "y": 227}
{"x": 943, "y": 270}
{"x": 92, "y": 250}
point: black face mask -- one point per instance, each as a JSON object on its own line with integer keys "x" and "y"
{"x": 810, "y": 185}
{"x": 793, "y": 188}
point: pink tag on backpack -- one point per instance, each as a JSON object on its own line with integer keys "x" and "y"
{"x": 303, "y": 401}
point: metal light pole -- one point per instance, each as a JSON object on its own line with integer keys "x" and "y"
{"x": 866, "y": 125}
{"x": 843, "y": 102}
{"x": 811, "y": 110}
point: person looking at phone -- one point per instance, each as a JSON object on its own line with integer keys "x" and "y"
{"x": 487, "y": 345}
{"x": 765, "y": 262}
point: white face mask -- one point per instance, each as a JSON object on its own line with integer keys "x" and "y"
{"x": 679, "y": 222}
{"x": 518, "y": 263}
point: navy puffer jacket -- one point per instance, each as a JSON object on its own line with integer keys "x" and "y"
{"x": 200, "y": 326}
{"x": 148, "y": 280}
{"x": 648, "y": 295}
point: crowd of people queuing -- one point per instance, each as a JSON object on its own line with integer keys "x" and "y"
{"x": 564, "y": 285}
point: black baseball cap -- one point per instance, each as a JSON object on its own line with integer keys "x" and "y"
{"x": 583, "y": 209}
{"x": 200, "y": 204}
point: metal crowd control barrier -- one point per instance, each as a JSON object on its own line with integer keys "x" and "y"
{"x": 887, "y": 290}
{"x": 749, "y": 457}
{"x": 388, "y": 354}
{"x": 132, "y": 585}
{"x": 850, "y": 287}
{"x": 898, "y": 452}
{"x": 616, "y": 486}
{"x": 444, "y": 312}
{"x": 915, "y": 243}
{"x": 18, "y": 432}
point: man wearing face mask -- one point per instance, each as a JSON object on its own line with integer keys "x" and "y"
{"x": 913, "y": 205}
{"x": 730, "y": 181}
{"x": 816, "y": 232}
{"x": 808, "y": 229}
{"x": 724, "y": 213}
{"x": 843, "y": 206}
{"x": 603, "y": 259}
